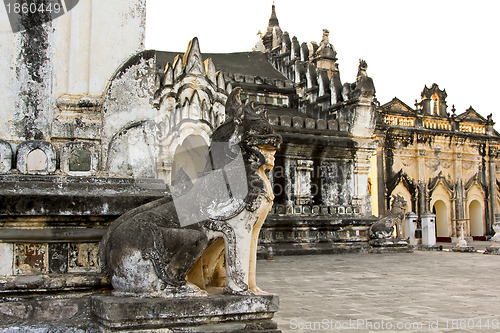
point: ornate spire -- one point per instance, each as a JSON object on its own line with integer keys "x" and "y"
{"x": 273, "y": 34}
{"x": 273, "y": 20}
{"x": 326, "y": 49}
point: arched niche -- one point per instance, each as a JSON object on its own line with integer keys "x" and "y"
{"x": 36, "y": 157}
{"x": 36, "y": 161}
{"x": 476, "y": 219}
{"x": 441, "y": 206}
{"x": 440, "y": 209}
{"x": 475, "y": 211}
{"x": 79, "y": 159}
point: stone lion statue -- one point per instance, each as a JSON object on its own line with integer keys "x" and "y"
{"x": 384, "y": 227}
{"x": 149, "y": 251}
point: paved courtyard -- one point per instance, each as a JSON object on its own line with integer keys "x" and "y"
{"x": 423, "y": 291}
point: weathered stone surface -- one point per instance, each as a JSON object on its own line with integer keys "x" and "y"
{"x": 83, "y": 257}
{"x": 6, "y": 258}
{"x": 195, "y": 313}
{"x": 131, "y": 151}
{"x": 310, "y": 123}
{"x": 285, "y": 121}
{"x": 131, "y": 88}
{"x": 395, "y": 242}
{"x": 192, "y": 61}
{"x": 59, "y": 312}
{"x": 52, "y": 282}
{"x": 298, "y": 122}
{"x": 494, "y": 249}
{"x": 77, "y": 117}
{"x": 273, "y": 120}
{"x": 321, "y": 124}
{"x": 58, "y": 258}
{"x": 37, "y": 195}
{"x": 82, "y": 233}
{"x": 5, "y": 157}
{"x": 389, "y": 245}
{"x": 30, "y": 258}
{"x": 52, "y": 226}
{"x": 43, "y": 62}
{"x": 469, "y": 249}
{"x": 333, "y": 125}
{"x": 421, "y": 247}
{"x": 289, "y": 234}
{"x": 344, "y": 127}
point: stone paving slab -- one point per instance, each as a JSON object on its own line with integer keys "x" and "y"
{"x": 424, "y": 291}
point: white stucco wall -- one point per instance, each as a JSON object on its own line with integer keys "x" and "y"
{"x": 84, "y": 48}
{"x": 93, "y": 40}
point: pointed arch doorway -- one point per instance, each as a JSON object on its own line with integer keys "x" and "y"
{"x": 442, "y": 221}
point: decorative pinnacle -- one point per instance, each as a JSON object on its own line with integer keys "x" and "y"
{"x": 273, "y": 21}
{"x": 326, "y": 38}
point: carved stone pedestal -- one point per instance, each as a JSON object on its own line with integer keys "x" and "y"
{"x": 421, "y": 247}
{"x": 389, "y": 245}
{"x": 215, "y": 313}
{"x": 496, "y": 228}
{"x": 493, "y": 249}
{"x": 463, "y": 249}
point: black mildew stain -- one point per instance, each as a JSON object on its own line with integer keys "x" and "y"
{"x": 32, "y": 58}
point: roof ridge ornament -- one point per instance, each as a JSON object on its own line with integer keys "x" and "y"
{"x": 362, "y": 67}
{"x": 325, "y": 49}
{"x": 326, "y": 36}
{"x": 192, "y": 60}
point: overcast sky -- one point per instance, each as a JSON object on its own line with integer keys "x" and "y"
{"x": 407, "y": 44}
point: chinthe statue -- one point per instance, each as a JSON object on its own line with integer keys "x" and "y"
{"x": 384, "y": 227}
{"x": 161, "y": 250}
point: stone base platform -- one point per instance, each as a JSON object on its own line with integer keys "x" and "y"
{"x": 287, "y": 249}
{"x": 214, "y": 313}
{"x": 46, "y": 312}
{"x": 493, "y": 249}
{"x": 463, "y": 249}
{"x": 392, "y": 245}
{"x": 421, "y": 247}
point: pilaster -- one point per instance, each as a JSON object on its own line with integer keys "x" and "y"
{"x": 361, "y": 196}
{"x": 493, "y": 191}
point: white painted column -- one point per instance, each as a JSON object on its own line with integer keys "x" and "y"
{"x": 428, "y": 229}
{"x": 410, "y": 225}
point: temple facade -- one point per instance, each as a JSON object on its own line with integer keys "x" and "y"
{"x": 86, "y": 137}
{"x": 441, "y": 162}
